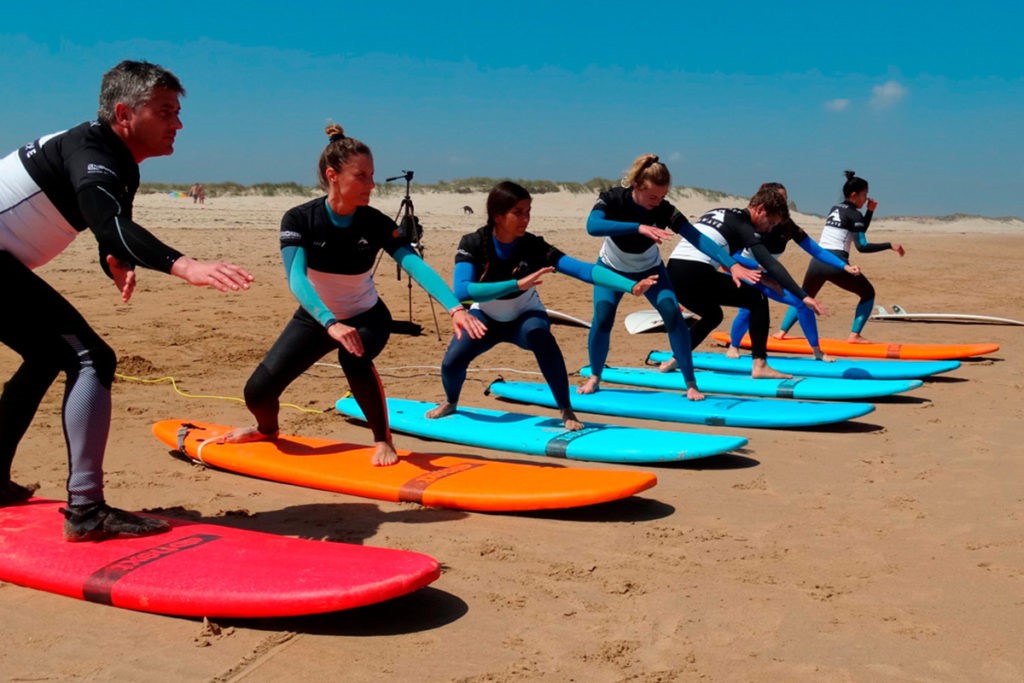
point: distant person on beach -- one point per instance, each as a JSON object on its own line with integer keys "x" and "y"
{"x": 703, "y": 288}
{"x": 844, "y": 226}
{"x": 51, "y": 190}
{"x": 329, "y": 246}
{"x": 198, "y": 194}
{"x": 634, "y": 220}
{"x": 776, "y": 241}
{"x": 499, "y": 267}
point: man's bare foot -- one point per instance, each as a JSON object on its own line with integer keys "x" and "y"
{"x": 384, "y": 454}
{"x": 781, "y": 334}
{"x": 668, "y": 366}
{"x": 694, "y": 394}
{"x": 570, "y": 420}
{"x": 855, "y": 338}
{"x": 245, "y": 435}
{"x": 732, "y": 352}
{"x": 591, "y": 386}
{"x": 822, "y": 356}
{"x": 442, "y": 409}
{"x": 762, "y": 370}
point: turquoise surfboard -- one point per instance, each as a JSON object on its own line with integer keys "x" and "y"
{"x": 722, "y": 411}
{"x": 806, "y": 388}
{"x": 844, "y": 368}
{"x": 534, "y": 435}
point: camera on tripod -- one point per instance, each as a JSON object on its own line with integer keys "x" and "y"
{"x": 409, "y": 225}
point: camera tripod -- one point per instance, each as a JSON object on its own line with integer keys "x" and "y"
{"x": 410, "y": 228}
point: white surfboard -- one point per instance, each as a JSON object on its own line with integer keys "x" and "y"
{"x": 565, "y": 318}
{"x": 899, "y": 313}
{"x": 647, "y": 321}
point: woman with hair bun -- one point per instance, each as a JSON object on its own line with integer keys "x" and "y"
{"x": 634, "y": 220}
{"x": 329, "y": 246}
{"x": 499, "y": 267}
{"x": 844, "y": 226}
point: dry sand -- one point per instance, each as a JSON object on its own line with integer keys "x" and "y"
{"x": 891, "y": 548}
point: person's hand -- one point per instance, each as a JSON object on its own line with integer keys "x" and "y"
{"x": 642, "y": 286}
{"x": 657, "y": 235}
{"x": 815, "y": 306}
{"x": 535, "y": 278}
{"x": 872, "y": 204}
{"x": 124, "y": 276}
{"x": 898, "y": 248}
{"x": 464, "y": 321}
{"x": 741, "y": 273}
{"x": 347, "y": 336}
{"x": 220, "y": 275}
{"x": 852, "y": 269}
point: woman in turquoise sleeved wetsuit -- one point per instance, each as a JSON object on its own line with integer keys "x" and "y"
{"x": 845, "y": 226}
{"x": 498, "y": 267}
{"x": 329, "y": 246}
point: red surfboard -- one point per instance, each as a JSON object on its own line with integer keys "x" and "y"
{"x": 203, "y": 570}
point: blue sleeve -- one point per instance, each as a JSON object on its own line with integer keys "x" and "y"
{"x": 707, "y": 245}
{"x": 823, "y": 255}
{"x": 594, "y": 274}
{"x": 409, "y": 261}
{"x": 467, "y": 290}
{"x": 746, "y": 262}
{"x": 600, "y": 226}
{"x": 860, "y": 240}
{"x": 298, "y": 281}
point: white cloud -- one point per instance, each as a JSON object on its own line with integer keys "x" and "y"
{"x": 887, "y": 94}
{"x": 838, "y": 104}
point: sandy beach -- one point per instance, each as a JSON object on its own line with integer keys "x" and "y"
{"x": 890, "y": 548}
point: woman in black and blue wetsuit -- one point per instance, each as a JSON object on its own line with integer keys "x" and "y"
{"x": 776, "y": 240}
{"x": 499, "y": 266}
{"x": 634, "y": 220}
{"x": 329, "y": 246}
{"x": 844, "y": 226}
{"x": 704, "y": 289}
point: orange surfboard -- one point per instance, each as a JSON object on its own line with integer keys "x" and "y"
{"x": 838, "y": 347}
{"x": 431, "y": 479}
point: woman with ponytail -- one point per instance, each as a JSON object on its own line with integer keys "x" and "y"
{"x": 329, "y": 246}
{"x": 634, "y": 220}
{"x": 844, "y": 226}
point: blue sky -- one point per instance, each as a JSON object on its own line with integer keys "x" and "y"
{"x": 926, "y": 101}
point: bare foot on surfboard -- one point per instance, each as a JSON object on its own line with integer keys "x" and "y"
{"x": 570, "y": 420}
{"x": 732, "y": 352}
{"x": 781, "y": 334}
{"x": 762, "y": 370}
{"x": 384, "y": 454}
{"x": 591, "y": 386}
{"x": 245, "y": 435}
{"x": 668, "y": 366}
{"x": 442, "y": 409}
{"x": 855, "y": 338}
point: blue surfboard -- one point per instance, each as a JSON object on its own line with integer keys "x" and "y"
{"x": 722, "y": 411}
{"x": 844, "y": 368}
{"x": 806, "y": 388}
{"x": 534, "y": 435}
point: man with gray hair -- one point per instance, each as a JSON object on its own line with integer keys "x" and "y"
{"x": 51, "y": 190}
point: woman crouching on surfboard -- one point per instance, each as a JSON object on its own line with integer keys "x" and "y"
{"x": 498, "y": 267}
{"x": 329, "y": 246}
{"x": 634, "y": 220}
{"x": 844, "y": 226}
